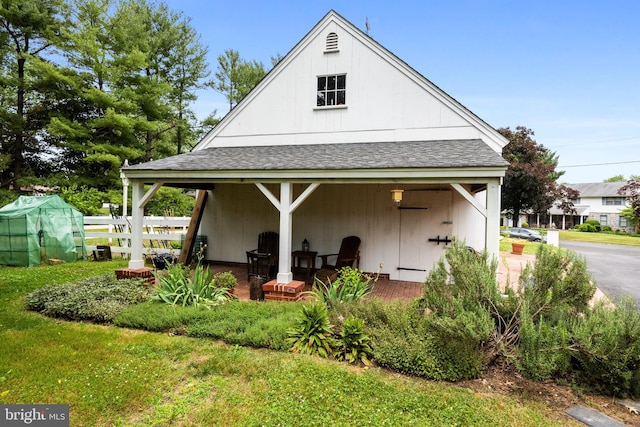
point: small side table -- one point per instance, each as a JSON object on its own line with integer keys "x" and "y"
{"x": 310, "y": 259}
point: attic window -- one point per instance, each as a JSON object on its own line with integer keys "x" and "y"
{"x": 332, "y": 42}
{"x": 332, "y": 90}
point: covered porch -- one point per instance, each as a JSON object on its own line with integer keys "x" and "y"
{"x": 326, "y": 192}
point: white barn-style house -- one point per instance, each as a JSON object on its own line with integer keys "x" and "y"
{"x": 314, "y": 150}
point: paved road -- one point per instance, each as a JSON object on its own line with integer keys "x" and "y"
{"x": 615, "y": 268}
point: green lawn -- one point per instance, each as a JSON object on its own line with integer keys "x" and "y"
{"x": 531, "y": 248}
{"x": 113, "y": 376}
{"x": 610, "y": 238}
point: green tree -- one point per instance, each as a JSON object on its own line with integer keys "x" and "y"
{"x": 529, "y": 183}
{"x": 631, "y": 190}
{"x": 27, "y": 30}
{"x": 615, "y": 178}
{"x": 187, "y": 74}
{"x": 236, "y": 77}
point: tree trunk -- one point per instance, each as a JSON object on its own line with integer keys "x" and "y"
{"x": 18, "y": 145}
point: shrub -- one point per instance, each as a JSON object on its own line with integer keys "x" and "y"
{"x": 607, "y": 349}
{"x": 558, "y": 283}
{"x": 403, "y": 339}
{"x": 587, "y": 228}
{"x": 543, "y": 347}
{"x": 99, "y": 299}
{"x": 606, "y": 228}
{"x": 352, "y": 345}
{"x": 87, "y": 200}
{"x": 181, "y": 203}
{"x": 312, "y": 332}
{"x": 595, "y": 223}
{"x": 350, "y": 285}
{"x": 524, "y": 224}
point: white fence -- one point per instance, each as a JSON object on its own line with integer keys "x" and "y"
{"x": 158, "y": 233}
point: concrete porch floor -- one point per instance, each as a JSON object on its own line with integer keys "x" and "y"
{"x": 509, "y": 268}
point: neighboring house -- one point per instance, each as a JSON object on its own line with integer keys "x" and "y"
{"x": 314, "y": 150}
{"x": 599, "y": 201}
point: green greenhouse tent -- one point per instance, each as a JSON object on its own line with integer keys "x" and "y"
{"x": 34, "y": 230}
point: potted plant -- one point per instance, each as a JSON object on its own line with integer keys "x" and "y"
{"x": 225, "y": 280}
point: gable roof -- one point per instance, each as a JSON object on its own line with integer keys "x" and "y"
{"x": 598, "y": 189}
{"x": 225, "y": 133}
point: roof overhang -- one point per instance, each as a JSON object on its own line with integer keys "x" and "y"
{"x": 471, "y": 161}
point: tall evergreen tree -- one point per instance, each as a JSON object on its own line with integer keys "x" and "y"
{"x": 30, "y": 28}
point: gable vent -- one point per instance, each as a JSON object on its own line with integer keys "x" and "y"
{"x": 332, "y": 42}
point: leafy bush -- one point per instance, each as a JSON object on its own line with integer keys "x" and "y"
{"x": 312, "y": 332}
{"x": 595, "y": 223}
{"x": 606, "y": 228}
{"x": 87, "y": 200}
{"x": 7, "y": 196}
{"x": 181, "y": 204}
{"x": 403, "y": 340}
{"x": 524, "y": 224}
{"x": 350, "y": 285}
{"x": 586, "y": 228}
{"x": 177, "y": 287}
{"x": 557, "y": 284}
{"x": 99, "y": 299}
{"x": 543, "y": 347}
{"x": 607, "y": 349}
{"x": 352, "y": 345}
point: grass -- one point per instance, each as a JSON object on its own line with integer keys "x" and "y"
{"x": 123, "y": 377}
{"x": 602, "y": 237}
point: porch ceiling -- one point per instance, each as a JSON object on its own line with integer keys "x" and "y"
{"x": 329, "y": 162}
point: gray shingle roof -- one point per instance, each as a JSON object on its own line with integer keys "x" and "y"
{"x": 598, "y": 189}
{"x": 370, "y": 155}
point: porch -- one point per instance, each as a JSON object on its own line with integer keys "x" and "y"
{"x": 509, "y": 268}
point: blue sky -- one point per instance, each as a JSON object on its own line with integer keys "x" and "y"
{"x": 569, "y": 70}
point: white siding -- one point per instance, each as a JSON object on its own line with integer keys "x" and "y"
{"x": 383, "y": 103}
{"x": 237, "y": 213}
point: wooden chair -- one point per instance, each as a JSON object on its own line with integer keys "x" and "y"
{"x": 263, "y": 261}
{"x": 348, "y": 255}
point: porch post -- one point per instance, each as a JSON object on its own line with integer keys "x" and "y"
{"x": 284, "y": 259}
{"x": 492, "y": 230}
{"x": 137, "y": 217}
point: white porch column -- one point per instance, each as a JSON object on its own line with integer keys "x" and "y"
{"x": 286, "y": 227}
{"x": 137, "y": 217}
{"x": 492, "y": 230}
{"x": 286, "y": 206}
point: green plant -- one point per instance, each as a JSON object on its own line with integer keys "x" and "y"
{"x": 178, "y": 287}
{"x": 312, "y": 333}
{"x": 524, "y": 224}
{"x": 595, "y": 223}
{"x": 99, "y": 298}
{"x": 225, "y": 279}
{"x": 87, "y": 200}
{"x": 352, "y": 345}
{"x": 181, "y": 203}
{"x": 607, "y": 349}
{"x": 350, "y": 285}
{"x": 586, "y": 228}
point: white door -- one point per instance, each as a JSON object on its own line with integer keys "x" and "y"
{"x": 418, "y": 226}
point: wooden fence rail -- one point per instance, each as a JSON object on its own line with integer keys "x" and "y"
{"x": 158, "y": 233}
